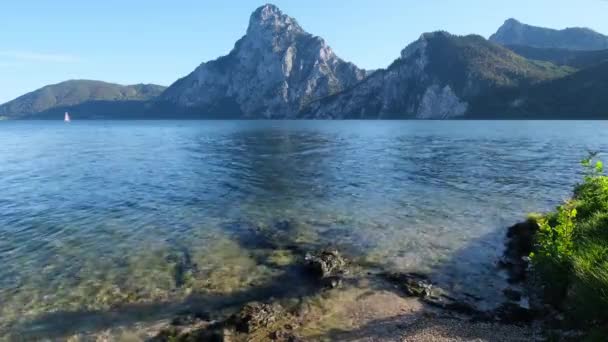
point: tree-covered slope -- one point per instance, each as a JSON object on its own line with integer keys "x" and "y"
{"x": 575, "y": 58}
{"x": 513, "y": 32}
{"x": 436, "y": 77}
{"x": 581, "y": 95}
{"x": 73, "y": 93}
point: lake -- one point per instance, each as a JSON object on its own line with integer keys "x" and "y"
{"x": 95, "y": 214}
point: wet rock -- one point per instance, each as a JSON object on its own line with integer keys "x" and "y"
{"x": 190, "y": 318}
{"x": 254, "y": 316}
{"x": 327, "y": 263}
{"x": 167, "y": 334}
{"x": 513, "y": 295}
{"x": 413, "y": 284}
{"x": 512, "y": 313}
{"x": 333, "y": 282}
{"x": 284, "y": 335}
{"x": 453, "y": 305}
{"x": 519, "y": 245}
{"x": 214, "y": 333}
{"x": 521, "y": 238}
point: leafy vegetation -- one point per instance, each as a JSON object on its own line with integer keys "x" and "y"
{"x": 462, "y": 59}
{"x": 578, "y": 59}
{"x": 64, "y": 95}
{"x": 571, "y": 250}
{"x": 577, "y": 96}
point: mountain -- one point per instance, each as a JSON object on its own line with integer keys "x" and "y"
{"x": 575, "y": 58}
{"x": 512, "y": 32}
{"x": 436, "y": 77}
{"x": 75, "y": 93}
{"x": 272, "y": 72}
{"x": 581, "y": 95}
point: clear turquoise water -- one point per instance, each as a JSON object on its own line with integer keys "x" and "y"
{"x": 99, "y": 213}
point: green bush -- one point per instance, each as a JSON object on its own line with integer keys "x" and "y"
{"x": 571, "y": 249}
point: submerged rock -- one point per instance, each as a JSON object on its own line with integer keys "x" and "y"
{"x": 418, "y": 285}
{"x": 190, "y": 318}
{"x": 285, "y": 335}
{"x": 253, "y": 322}
{"x": 191, "y": 333}
{"x": 413, "y": 284}
{"x": 254, "y": 316}
{"x": 326, "y": 263}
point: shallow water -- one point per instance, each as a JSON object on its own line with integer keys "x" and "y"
{"x": 96, "y": 214}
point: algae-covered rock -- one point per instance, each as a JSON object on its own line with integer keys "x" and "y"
{"x": 327, "y": 263}
{"x": 254, "y": 316}
{"x": 413, "y": 284}
{"x": 190, "y": 317}
{"x": 209, "y": 334}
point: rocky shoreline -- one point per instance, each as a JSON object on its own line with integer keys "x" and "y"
{"x": 332, "y": 272}
{"x": 323, "y": 293}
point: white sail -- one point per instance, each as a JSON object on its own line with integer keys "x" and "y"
{"x": 66, "y": 118}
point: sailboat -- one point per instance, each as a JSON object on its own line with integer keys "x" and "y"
{"x": 66, "y": 117}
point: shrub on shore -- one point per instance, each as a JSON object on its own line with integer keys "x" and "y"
{"x": 570, "y": 254}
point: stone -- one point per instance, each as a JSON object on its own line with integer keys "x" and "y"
{"x": 413, "y": 284}
{"x": 512, "y": 295}
{"x": 326, "y": 263}
{"x": 254, "y": 316}
{"x": 519, "y": 245}
{"x": 190, "y": 318}
{"x": 284, "y": 335}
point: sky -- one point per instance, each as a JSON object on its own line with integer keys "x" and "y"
{"x": 158, "y": 41}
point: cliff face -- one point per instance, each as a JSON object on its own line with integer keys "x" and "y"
{"x": 274, "y": 70}
{"x": 436, "y": 77}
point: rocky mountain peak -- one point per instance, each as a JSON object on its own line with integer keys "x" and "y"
{"x": 511, "y": 22}
{"x": 419, "y": 46}
{"x": 273, "y": 71}
{"x": 269, "y": 19}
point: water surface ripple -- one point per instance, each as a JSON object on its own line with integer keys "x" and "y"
{"x": 94, "y": 213}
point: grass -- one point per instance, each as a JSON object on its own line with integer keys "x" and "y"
{"x": 571, "y": 251}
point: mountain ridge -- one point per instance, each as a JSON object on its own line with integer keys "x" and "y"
{"x": 272, "y": 71}
{"x": 277, "y": 70}
{"x": 580, "y": 95}
{"x": 436, "y": 77}
{"x": 76, "y": 92}
{"x": 513, "y": 32}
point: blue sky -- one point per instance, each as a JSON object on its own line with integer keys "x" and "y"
{"x": 156, "y": 41}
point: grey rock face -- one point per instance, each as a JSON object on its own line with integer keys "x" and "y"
{"x": 440, "y": 103}
{"x": 404, "y": 89}
{"x": 436, "y": 77}
{"x": 274, "y": 70}
{"x": 513, "y": 32}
